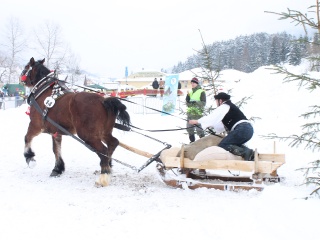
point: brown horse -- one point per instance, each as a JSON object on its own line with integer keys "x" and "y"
{"x": 58, "y": 111}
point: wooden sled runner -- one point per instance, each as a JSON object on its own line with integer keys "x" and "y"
{"x": 263, "y": 170}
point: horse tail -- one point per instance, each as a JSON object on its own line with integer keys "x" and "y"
{"x": 118, "y": 108}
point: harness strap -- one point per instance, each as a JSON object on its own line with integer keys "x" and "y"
{"x": 162, "y": 130}
{"x": 153, "y": 109}
{"x": 63, "y": 81}
{"x": 44, "y": 115}
{"x": 210, "y": 130}
{"x": 117, "y": 125}
{"x": 123, "y": 128}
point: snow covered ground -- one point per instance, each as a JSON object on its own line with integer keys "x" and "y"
{"x": 139, "y": 205}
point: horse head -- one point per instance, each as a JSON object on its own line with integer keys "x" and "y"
{"x": 33, "y": 72}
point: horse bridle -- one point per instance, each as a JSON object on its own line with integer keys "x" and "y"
{"x": 25, "y": 72}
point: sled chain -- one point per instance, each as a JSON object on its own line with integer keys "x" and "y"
{"x": 125, "y": 164}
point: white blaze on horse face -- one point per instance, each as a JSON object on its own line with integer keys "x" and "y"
{"x": 103, "y": 180}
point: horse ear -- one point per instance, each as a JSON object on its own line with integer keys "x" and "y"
{"x": 42, "y": 61}
{"x": 31, "y": 61}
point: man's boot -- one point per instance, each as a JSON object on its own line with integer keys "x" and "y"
{"x": 249, "y": 152}
{"x": 192, "y": 138}
{"x": 244, "y": 152}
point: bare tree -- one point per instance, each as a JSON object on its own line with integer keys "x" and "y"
{"x": 14, "y": 44}
{"x": 50, "y": 44}
{"x": 72, "y": 67}
{"x": 3, "y": 69}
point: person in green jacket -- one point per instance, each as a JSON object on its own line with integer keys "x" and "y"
{"x": 196, "y": 101}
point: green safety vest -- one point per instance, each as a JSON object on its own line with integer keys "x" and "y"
{"x": 195, "y": 110}
{"x": 195, "y": 96}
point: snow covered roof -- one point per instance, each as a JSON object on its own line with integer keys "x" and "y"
{"x": 147, "y": 74}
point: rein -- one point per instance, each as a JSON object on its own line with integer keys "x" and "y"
{"x": 121, "y": 99}
{"x": 45, "y": 117}
{"x": 117, "y": 125}
{"x": 167, "y": 130}
{"x": 36, "y": 91}
{"x": 160, "y": 130}
{"x": 44, "y": 84}
{"x": 83, "y": 87}
{"x": 153, "y": 109}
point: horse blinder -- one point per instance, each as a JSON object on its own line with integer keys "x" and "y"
{"x": 24, "y": 73}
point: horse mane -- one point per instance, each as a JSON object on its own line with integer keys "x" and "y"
{"x": 42, "y": 71}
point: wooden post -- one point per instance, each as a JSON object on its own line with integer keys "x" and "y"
{"x": 256, "y": 175}
{"x": 256, "y": 160}
{"x": 182, "y": 169}
{"x": 274, "y": 173}
{"x": 182, "y": 156}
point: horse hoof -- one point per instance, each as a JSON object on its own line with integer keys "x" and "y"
{"x": 103, "y": 180}
{"x": 54, "y": 174}
{"x": 31, "y": 163}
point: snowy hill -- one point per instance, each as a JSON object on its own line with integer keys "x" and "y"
{"x": 33, "y": 205}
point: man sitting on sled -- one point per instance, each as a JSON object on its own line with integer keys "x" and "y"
{"x": 228, "y": 116}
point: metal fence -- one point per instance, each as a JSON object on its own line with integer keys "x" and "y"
{"x": 145, "y": 105}
{"x": 138, "y": 105}
{"x": 11, "y": 102}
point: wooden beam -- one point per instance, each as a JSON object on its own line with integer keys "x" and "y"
{"x": 135, "y": 150}
{"x": 238, "y": 165}
{"x": 272, "y": 157}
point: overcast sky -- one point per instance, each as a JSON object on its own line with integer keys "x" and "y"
{"x": 110, "y": 35}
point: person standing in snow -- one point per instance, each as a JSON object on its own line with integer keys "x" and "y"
{"x": 155, "y": 84}
{"x": 228, "y": 116}
{"x": 161, "y": 86}
{"x": 196, "y": 101}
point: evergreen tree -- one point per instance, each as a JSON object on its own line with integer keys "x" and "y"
{"x": 274, "y": 54}
{"x": 247, "y": 53}
{"x": 284, "y": 50}
{"x": 310, "y": 137}
{"x": 295, "y": 54}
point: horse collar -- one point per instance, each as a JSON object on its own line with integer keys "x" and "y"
{"x": 57, "y": 92}
{"x": 43, "y": 84}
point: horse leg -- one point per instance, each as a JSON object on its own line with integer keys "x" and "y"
{"x": 112, "y": 144}
{"x": 102, "y": 152}
{"x": 105, "y": 164}
{"x": 59, "y": 165}
{"x": 106, "y": 161}
{"x": 28, "y": 152}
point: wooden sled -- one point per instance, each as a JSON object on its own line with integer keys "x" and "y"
{"x": 181, "y": 172}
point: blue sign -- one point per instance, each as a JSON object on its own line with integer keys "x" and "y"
{"x": 126, "y": 72}
{"x": 170, "y": 93}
